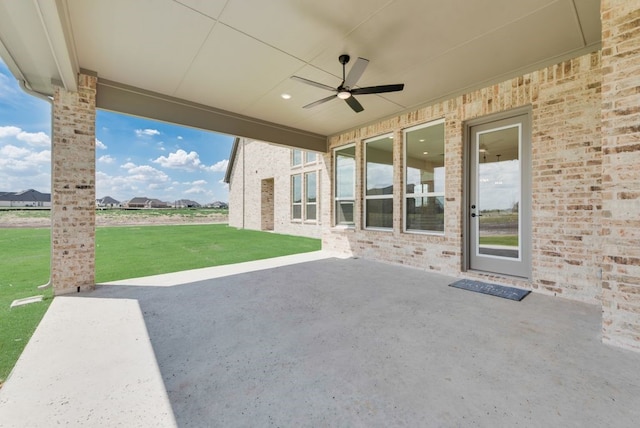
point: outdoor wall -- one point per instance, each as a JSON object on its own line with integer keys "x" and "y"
{"x": 565, "y": 102}
{"x": 73, "y": 188}
{"x": 256, "y": 162}
{"x": 620, "y": 247}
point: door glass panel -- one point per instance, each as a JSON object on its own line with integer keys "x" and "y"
{"x": 498, "y": 197}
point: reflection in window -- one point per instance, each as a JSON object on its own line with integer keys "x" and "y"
{"x": 296, "y": 197}
{"x": 379, "y": 182}
{"x": 310, "y": 198}
{"x": 310, "y": 157}
{"x": 425, "y": 172}
{"x": 345, "y": 182}
{"x": 296, "y": 157}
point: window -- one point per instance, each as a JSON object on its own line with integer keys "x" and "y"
{"x": 310, "y": 197}
{"x": 379, "y": 182}
{"x": 310, "y": 157}
{"x": 296, "y": 157}
{"x": 424, "y": 178}
{"x": 345, "y": 182}
{"x": 296, "y": 197}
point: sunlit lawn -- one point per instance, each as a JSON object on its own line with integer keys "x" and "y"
{"x": 507, "y": 240}
{"x": 121, "y": 252}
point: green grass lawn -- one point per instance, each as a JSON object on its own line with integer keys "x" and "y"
{"x": 121, "y": 252}
{"x": 509, "y": 240}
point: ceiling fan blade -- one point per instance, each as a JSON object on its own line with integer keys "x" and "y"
{"x": 356, "y": 72}
{"x": 378, "y": 89}
{"x": 312, "y": 83}
{"x": 354, "y": 104}
{"x": 322, "y": 101}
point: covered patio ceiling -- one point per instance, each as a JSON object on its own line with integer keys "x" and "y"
{"x": 231, "y": 60}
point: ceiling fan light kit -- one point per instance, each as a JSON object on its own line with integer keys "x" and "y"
{"x": 346, "y": 89}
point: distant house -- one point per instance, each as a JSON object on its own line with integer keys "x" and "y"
{"x": 107, "y": 202}
{"x": 144, "y": 202}
{"x": 25, "y": 198}
{"x": 186, "y": 203}
{"x": 219, "y": 205}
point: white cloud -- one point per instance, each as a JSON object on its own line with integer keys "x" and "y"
{"x": 106, "y": 159}
{"x": 31, "y": 138}
{"x": 220, "y": 166}
{"x": 8, "y": 88}
{"x": 9, "y": 131}
{"x": 24, "y": 168}
{"x": 43, "y": 157}
{"x": 100, "y": 145}
{"x": 181, "y": 160}
{"x": 147, "y": 132}
{"x": 198, "y": 183}
{"x": 12, "y": 152}
{"x": 34, "y": 138}
{"x": 139, "y": 180}
{"x": 179, "y": 137}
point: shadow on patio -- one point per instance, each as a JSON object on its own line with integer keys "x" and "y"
{"x": 324, "y": 343}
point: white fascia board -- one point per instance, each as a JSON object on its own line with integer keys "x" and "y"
{"x": 55, "y": 22}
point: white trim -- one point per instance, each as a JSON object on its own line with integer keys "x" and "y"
{"x": 406, "y": 195}
{"x": 366, "y": 197}
{"x": 54, "y": 22}
{"x": 335, "y": 198}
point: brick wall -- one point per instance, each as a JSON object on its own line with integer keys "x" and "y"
{"x": 564, "y": 100}
{"x": 620, "y": 172}
{"x": 255, "y": 163}
{"x": 73, "y": 188}
{"x": 267, "y": 208}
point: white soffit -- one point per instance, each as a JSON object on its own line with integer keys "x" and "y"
{"x": 145, "y": 43}
{"x": 238, "y": 55}
{"x": 231, "y": 56}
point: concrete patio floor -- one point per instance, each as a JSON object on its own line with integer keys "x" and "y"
{"x": 320, "y": 342}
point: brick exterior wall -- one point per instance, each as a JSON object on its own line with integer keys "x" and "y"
{"x": 620, "y": 173}
{"x": 255, "y": 163}
{"x": 73, "y": 188}
{"x": 565, "y": 102}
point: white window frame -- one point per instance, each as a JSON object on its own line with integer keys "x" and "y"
{"x": 364, "y": 187}
{"x": 406, "y": 195}
{"x": 305, "y": 199}
{"x": 336, "y": 198}
{"x": 298, "y": 204}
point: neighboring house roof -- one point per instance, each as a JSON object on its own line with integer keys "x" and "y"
{"x": 187, "y": 202}
{"x": 108, "y": 200}
{"x": 29, "y": 195}
{"x": 232, "y": 160}
{"x": 138, "y": 200}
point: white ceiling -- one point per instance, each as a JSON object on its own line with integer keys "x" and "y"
{"x": 238, "y": 55}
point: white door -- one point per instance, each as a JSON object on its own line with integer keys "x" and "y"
{"x": 499, "y": 227}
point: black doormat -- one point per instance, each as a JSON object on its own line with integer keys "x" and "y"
{"x": 510, "y": 293}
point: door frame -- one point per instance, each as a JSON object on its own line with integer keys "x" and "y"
{"x": 526, "y": 227}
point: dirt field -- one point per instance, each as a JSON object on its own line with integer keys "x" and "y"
{"x": 17, "y": 219}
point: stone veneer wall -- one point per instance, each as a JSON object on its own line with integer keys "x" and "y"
{"x": 564, "y": 100}
{"x": 73, "y": 188}
{"x": 256, "y": 161}
{"x": 621, "y": 172}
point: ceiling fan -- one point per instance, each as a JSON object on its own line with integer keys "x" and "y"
{"x": 346, "y": 90}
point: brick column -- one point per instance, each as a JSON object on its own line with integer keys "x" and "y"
{"x": 621, "y": 173}
{"x": 73, "y": 188}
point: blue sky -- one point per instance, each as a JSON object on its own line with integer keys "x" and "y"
{"x": 134, "y": 156}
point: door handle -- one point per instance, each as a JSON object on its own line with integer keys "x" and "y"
{"x": 476, "y": 215}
